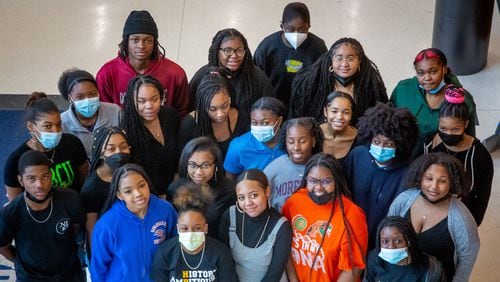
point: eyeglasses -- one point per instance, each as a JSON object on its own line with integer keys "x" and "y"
{"x": 228, "y": 52}
{"x": 195, "y": 166}
{"x": 385, "y": 144}
{"x": 311, "y": 181}
{"x": 339, "y": 59}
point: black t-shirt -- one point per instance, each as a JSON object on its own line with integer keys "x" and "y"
{"x": 281, "y": 63}
{"x": 161, "y": 161}
{"x": 94, "y": 193}
{"x": 69, "y": 154}
{"x": 216, "y": 264}
{"x": 44, "y": 250}
{"x": 225, "y": 196}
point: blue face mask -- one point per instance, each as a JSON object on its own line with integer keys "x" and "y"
{"x": 87, "y": 107}
{"x": 393, "y": 256}
{"x": 49, "y": 140}
{"x": 382, "y": 154}
{"x": 437, "y": 89}
{"x": 263, "y": 133}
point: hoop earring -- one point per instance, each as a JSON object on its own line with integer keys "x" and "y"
{"x": 238, "y": 208}
{"x": 330, "y": 69}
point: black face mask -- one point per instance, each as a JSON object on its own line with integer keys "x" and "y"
{"x": 344, "y": 80}
{"x": 321, "y": 200}
{"x": 33, "y": 199}
{"x": 116, "y": 160}
{"x": 433, "y": 202}
{"x": 451, "y": 139}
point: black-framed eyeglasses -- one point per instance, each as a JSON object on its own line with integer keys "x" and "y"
{"x": 195, "y": 166}
{"x": 228, "y": 52}
{"x": 311, "y": 181}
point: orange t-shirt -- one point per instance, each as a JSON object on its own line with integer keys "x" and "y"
{"x": 309, "y": 224}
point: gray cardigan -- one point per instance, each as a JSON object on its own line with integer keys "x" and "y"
{"x": 462, "y": 227}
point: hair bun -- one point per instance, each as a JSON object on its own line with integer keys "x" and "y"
{"x": 454, "y": 95}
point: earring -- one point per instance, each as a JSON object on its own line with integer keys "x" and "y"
{"x": 330, "y": 69}
{"x": 238, "y": 207}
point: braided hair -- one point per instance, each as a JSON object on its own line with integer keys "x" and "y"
{"x": 406, "y": 229}
{"x": 329, "y": 162}
{"x": 312, "y": 84}
{"x": 245, "y": 74}
{"x": 132, "y": 121}
{"x": 397, "y": 124}
{"x": 101, "y": 139}
{"x": 308, "y": 123}
{"x": 456, "y": 175}
{"x": 118, "y": 176}
{"x": 214, "y": 82}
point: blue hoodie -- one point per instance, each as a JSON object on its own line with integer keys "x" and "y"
{"x": 123, "y": 245}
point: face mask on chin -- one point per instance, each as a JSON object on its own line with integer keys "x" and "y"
{"x": 321, "y": 200}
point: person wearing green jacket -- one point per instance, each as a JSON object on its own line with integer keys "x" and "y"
{"x": 423, "y": 94}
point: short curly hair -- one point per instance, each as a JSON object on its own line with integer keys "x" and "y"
{"x": 458, "y": 180}
{"x": 397, "y": 124}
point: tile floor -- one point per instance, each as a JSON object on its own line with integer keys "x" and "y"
{"x": 42, "y": 38}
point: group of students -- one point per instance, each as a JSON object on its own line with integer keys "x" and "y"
{"x": 292, "y": 165}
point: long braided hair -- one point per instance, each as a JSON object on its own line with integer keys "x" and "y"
{"x": 118, "y": 176}
{"x": 308, "y": 123}
{"x": 329, "y": 162}
{"x": 132, "y": 122}
{"x": 312, "y": 85}
{"x": 244, "y": 75}
{"x": 101, "y": 139}
{"x": 213, "y": 83}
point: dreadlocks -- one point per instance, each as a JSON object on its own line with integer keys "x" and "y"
{"x": 312, "y": 84}
{"x": 158, "y": 50}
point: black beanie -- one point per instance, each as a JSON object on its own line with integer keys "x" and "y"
{"x": 140, "y": 22}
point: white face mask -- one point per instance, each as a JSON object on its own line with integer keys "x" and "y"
{"x": 295, "y": 38}
{"x": 191, "y": 240}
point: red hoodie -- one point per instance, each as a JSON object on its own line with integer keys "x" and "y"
{"x": 113, "y": 77}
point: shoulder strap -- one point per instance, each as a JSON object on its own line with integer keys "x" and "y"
{"x": 232, "y": 219}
